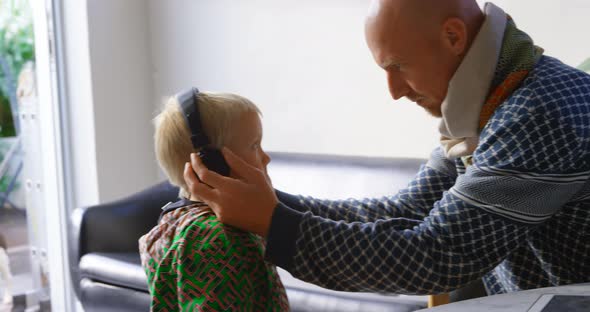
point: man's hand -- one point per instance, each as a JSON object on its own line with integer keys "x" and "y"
{"x": 246, "y": 203}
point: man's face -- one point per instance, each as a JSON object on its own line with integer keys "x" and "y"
{"x": 417, "y": 63}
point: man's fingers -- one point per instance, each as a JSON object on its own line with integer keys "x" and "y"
{"x": 239, "y": 166}
{"x": 209, "y": 177}
{"x": 195, "y": 186}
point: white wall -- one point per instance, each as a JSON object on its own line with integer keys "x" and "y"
{"x": 562, "y": 28}
{"x": 78, "y": 88}
{"x": 109, "y": 98}
{"x": 305, "y": 63}
{"x": 122, "y": 98}
{"x": 109, "y": 103}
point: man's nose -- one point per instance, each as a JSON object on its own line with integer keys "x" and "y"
{"x": 265, "y": 158}
{"x": 398, "y": 88}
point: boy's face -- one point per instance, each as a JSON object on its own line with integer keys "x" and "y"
{"x": 245, "y": 141}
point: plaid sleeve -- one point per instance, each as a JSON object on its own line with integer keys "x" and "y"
{"x": 523, "y": 172}
{"x": 413, "y": 202}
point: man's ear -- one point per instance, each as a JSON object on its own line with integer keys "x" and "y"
{"x": 454, "y": 35}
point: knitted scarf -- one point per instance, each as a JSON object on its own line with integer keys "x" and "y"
{"x": 518, "y": 56}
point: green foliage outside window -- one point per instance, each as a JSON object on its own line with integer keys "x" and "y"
{"x": 16, "y": 48}
{"x": 585, "y": 66}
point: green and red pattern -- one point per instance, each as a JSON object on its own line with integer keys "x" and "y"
{"x": 194, "y": 262}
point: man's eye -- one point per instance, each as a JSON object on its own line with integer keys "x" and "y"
{"x": 394, "y": 66}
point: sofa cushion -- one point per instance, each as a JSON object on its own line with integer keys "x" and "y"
{"x": 308, "y": 297}
{"x": 100, "y": 297}
{"x": 110, "y": 275}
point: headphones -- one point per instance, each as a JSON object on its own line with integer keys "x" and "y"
{"x": 211, "y": 157}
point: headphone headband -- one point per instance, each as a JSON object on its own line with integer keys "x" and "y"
{"x": 211, "y": 157}
{"x": 188, "y": 100}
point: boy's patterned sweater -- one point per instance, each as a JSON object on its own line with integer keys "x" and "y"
{"x": 195, "y": 263}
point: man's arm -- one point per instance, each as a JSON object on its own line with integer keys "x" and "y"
{"x": 232, "y": 199}
{"x": 379, "y": 257}
{"x": 510, "y": 189}
{"x": 413, "y": 202}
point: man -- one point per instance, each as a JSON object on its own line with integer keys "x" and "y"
{"x": 505, "y": 197}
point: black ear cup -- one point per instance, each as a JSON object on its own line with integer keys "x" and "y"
{"x": 213, "y": 159}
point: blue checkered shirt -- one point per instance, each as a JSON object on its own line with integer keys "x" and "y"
{"x": 518, "y": 217}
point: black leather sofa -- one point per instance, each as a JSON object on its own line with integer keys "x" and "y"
{"x": 106, "y": 270}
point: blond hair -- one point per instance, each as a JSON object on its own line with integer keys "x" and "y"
{"x": 218, "y": 112}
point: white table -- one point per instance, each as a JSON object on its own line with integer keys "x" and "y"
{"x": 520, "y": 301}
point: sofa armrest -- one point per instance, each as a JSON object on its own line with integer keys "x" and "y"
{"x": 118, "y": 269}
{"x": 116, "y": 227}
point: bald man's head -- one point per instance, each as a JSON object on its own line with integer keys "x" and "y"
{"x": 422, "y": 13}
{"x": 420, "y": 44}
